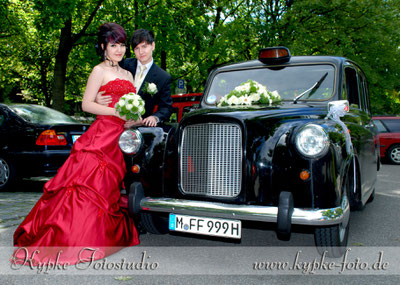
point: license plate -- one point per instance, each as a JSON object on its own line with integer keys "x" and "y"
{"x": 206, "y": 226}
{"x": 74, "y": 138}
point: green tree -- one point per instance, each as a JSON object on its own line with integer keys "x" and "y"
{"x": 365, "y": 31}
{"x": 71, "y": 19}
{"x": 50, "y": 44}
{"x": 12, "y": 33}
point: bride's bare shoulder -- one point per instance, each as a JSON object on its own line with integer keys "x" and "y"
{"x": 99, "y": 67}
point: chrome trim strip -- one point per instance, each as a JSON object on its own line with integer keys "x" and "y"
{"x": 300, "y": 216}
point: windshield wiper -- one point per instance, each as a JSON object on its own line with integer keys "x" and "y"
{"x": 312, "y": 88}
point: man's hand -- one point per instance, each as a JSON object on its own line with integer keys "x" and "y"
{"x": 150, "y": 121}
{"x": 103, "y": 100}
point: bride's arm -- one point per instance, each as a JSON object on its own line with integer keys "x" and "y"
{"x": 92, "y": 87}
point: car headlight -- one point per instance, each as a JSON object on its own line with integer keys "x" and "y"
{"x": 130, "y": 141}
{"x": 312, "y": 141}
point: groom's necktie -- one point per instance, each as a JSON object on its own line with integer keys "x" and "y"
{"x": 139, "y": 77}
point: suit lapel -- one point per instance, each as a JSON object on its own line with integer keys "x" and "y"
{"x": 134, "y": 66}
{"x": 151, "y": 76}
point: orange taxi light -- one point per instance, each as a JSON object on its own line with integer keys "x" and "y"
{"x": 50, "y": 137}
{"x": 274, "y": 54}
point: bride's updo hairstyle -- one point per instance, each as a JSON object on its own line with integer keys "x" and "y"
{"x": 109, "y": 33}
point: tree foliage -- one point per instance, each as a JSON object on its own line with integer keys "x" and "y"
{"x": 365, "y": 31}
{"x": 49, "y": 44}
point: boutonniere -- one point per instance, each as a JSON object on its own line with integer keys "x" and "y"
{"x": 150, "y": 88}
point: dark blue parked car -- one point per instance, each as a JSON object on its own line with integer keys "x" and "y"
{"x": 34, "y": 141}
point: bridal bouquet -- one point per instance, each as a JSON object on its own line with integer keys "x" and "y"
{"x": 130, "y": 105}
{"x": 250, "y": 93}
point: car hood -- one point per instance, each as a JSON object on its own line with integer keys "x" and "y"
{"x": 244, "y": 113}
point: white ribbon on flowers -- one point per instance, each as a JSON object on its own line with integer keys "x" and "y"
{"x": 338, "y": 109}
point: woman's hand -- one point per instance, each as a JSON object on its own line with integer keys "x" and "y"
{"x": 132, "y": 123}
{"x": 101, "y": 99}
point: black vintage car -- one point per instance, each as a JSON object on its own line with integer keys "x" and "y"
{"x": 303, "y": 152}
{"x": 34, "y": 141}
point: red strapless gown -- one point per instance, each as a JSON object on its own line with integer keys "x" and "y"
{"x": 80, "y": 208}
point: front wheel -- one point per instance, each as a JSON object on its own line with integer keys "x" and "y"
{"x": 7, "y": 174}
{"x": 372, "y": 197}
{"x": 393, "y": 154}
{"x": 333, "y": 239}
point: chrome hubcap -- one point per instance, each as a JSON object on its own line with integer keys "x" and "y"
{"x": 395, "y": 154}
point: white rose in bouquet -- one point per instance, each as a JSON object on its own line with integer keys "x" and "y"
{"x": 130, "y": 105}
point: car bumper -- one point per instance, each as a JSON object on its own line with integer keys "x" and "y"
{"x": 33, "y": 163}
{"x": 299, "y": 216}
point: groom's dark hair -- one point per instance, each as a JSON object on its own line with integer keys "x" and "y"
{"x": 142, "y": 35}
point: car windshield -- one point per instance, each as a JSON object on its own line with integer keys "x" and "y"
{"x": 315, "y": 82}
{"x": 41, "y": 115}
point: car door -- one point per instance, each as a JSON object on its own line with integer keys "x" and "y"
{"x": 361, "y": 126}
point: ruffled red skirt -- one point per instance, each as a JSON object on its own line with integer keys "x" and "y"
{"x": 79, "y": 212}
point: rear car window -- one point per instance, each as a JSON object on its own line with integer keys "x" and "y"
{"x": 41, "y": 115}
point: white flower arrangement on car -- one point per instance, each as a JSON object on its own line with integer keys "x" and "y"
{"x": 150, "y": 88}
{"x": 250, "y": 93}
{"x": 130, "y": 105}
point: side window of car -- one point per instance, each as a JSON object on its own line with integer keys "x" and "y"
{"x": 393, "y": 125}
{"x": 364, "y": 99}
{"x": 381, "y": 128}
{"x": 351, "y": 87}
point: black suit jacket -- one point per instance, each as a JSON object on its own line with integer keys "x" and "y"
{"x": 162, "y": 98}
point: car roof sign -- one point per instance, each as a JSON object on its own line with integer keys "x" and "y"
{"x": 275, "y": 55}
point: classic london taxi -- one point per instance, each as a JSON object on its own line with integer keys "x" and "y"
{"x": 282, "y": 139}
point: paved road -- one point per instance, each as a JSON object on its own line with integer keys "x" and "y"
{"x": 14, "y": 206}
{"x": 372, "y": 230}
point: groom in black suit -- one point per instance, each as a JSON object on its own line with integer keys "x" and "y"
{"x": 151, "y": 82}
{"x": 143, "y": 45}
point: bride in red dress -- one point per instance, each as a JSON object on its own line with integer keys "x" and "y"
{"x": 78, "y": 217}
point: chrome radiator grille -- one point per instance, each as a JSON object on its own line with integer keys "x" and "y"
{"x": 211, "y": 160}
